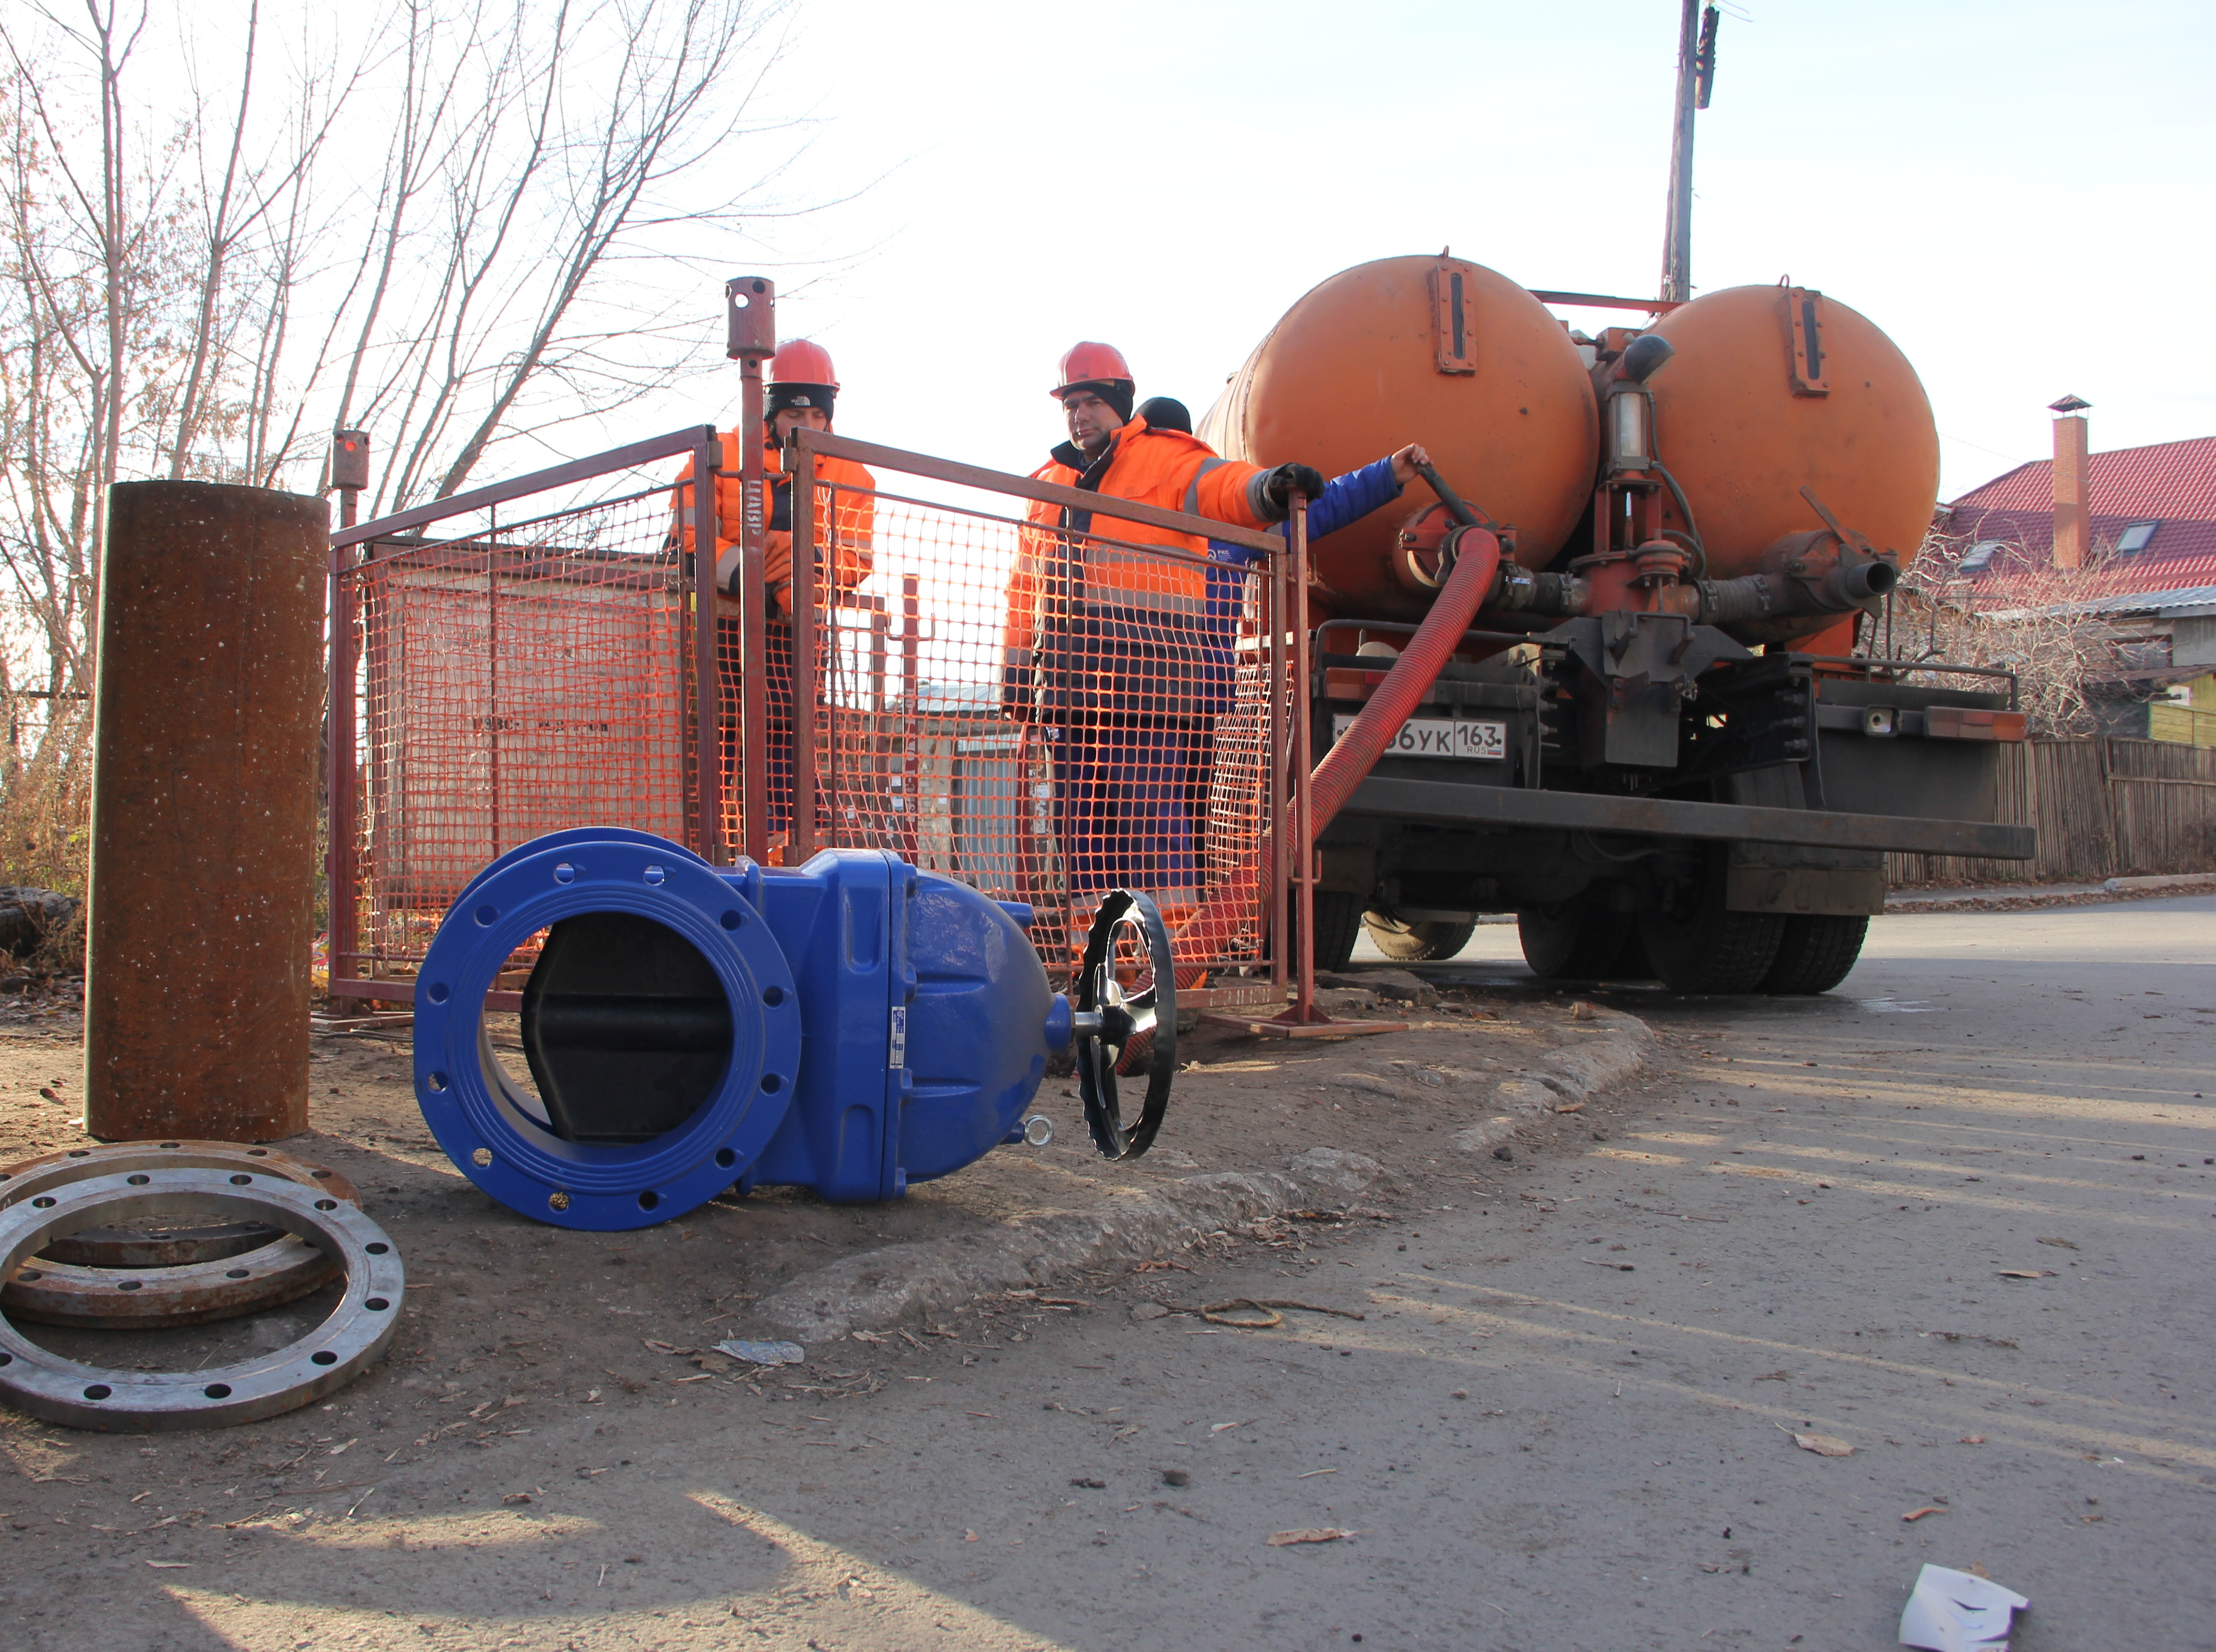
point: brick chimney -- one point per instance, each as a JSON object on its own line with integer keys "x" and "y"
{"x": 2073, "y": 484}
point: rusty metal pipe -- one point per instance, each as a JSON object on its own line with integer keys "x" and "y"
{"x": 204, "y": 724}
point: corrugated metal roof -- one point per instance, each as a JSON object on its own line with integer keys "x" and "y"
{"x": 2173, "y": 482}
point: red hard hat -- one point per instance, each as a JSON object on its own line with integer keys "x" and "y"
{"x": 803, "y": 363}
{"x": 1087, "y": 363}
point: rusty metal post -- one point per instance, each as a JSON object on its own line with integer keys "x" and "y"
{"x": 349, "y": 475}
{"x": 752, "y": 303}
{"x": 202, "y": 908}
{"x": 1296, "y": 546}
{"x": 707, "y": 642}
{"x": 1278, "y": 766}
{"x": 911, "y": 825}
{"x": 800, "y": 469}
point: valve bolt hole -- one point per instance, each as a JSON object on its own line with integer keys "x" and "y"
{"x": 486, "y": 915}
{"x": 438, "y": 992}
{"x": 98, "y": 1392}
{"x": 648, "y": 1200}
{"x": 376, "y": 1305}
{"x": 725, "y": 1158}
{"x": 772, "y": 997}
{"x": 140, "y": 1180}
{"x": 655, "y": 874}
{"x": 378, "y": 1248}
{"x": 565, "y": 873}
{"x": 324, "y": 1357}
{"x": 218, "y": 1390}
{"x": 482, "y": 1157}
{"x": 772, "y": 1083}
{"x": 732, "y": 919}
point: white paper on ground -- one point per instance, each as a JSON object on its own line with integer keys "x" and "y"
{"x": 764, "y": 1354}
{"x": 1957, "y": 1611}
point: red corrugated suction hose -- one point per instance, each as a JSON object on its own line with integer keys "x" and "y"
{"x": 1477, "y": 563}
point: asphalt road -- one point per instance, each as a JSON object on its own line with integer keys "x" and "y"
{"x": 1564, "y": 1422}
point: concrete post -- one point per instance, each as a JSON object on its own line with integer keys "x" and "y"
{"x": 205, "y": 727}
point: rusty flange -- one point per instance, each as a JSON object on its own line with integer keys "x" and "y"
{"x": 41, "y": 1383}
{"x": 268, "y": 1268}
{"x": 169, "y": 1247}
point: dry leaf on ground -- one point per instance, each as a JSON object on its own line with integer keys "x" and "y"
{"x": 1822, "y": 1444}
{"x": 1929, "y": 1509}
{"x": 1309, "y": 1534}
{"x": 2027, "y": 1272}
{"x": 2066, "y": 1244}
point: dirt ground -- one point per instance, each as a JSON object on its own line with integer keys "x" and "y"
{"x": 512, "y": 1328}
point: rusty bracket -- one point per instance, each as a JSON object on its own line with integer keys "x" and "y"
{"x": 1451, "y": 313}
{"x": 1804, "y": 316}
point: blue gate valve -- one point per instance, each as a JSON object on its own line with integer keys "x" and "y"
{"x": 851, "y": 1025}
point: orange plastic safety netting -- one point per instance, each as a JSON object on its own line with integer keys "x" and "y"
{"x": 1045, "y": 715}
{"x": 516, "y": 680}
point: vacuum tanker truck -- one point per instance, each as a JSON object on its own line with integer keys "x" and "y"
{"x": 1625, "y": 675}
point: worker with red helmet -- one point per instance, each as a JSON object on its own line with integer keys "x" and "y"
{"x": 801, "y": 387}
{"x": 1102, "y": 643}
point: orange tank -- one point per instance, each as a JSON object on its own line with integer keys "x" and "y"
{"x": 1745, "y": 416}
{"x": 1436, "y": 350}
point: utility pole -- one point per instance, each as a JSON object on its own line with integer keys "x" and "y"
{"x": 1696, "y": 74}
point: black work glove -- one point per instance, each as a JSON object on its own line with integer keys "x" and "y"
{"x": 1287, "y": 477}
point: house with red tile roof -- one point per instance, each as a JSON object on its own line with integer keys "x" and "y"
{"x": 2153, "y": 523}
{"x": 2149, "y": 570}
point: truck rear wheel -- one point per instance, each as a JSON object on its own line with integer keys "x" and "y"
{"x": 1580, "y": 941}
{"x": 1710, "y": 950}
{"x": 1815, "y": 954}
{"x": 1338, "y": 926}
{"x": 1415, "y": 941}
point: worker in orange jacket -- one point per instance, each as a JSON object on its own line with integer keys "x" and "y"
{"x": 802, "y": 389}
{"x": 1103, "y": 645}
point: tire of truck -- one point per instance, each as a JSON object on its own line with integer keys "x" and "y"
{"x": 1815, "y": 954}
{"x": 1580, "y": 941}
{"x": 1710, "y": 949}
{"x": 1338, "y": 925}
{"x": 1414, "y": 940}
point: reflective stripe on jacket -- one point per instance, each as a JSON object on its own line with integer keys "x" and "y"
{"x": 856, "y": 513}
{"x": 1166, "y": 468}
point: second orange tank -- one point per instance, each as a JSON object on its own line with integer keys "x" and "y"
{"x": 1436, "y": 350}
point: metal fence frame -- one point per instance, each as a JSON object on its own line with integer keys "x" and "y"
{"x": 1284, "y": 623}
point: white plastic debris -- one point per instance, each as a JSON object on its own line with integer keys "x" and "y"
{"x": 1957, "y": 1611}
{"x": 764, "y": 1354}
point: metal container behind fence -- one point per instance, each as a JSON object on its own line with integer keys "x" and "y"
{"x": 206, "y": 710}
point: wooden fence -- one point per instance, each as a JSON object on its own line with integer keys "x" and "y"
{"x": 2104, "y": 808}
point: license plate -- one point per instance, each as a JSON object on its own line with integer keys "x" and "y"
{"x": 1462, "y": 738}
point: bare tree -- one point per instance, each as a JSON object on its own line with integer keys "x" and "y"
{"x": 190, "y": 286}
{"x": 2043, "y": 624}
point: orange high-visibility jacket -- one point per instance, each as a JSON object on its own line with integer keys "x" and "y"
{"x": 849, "y": 546}
{"x": 1166, "y": 468}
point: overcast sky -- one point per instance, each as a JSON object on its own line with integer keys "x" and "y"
{"x": 2018, "y": 193}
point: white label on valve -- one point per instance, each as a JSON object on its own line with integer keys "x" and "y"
{"x": 1438, "y": 737}
{"x": 896, "y": 1046}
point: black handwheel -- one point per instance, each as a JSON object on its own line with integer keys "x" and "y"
{"x": 1126, "y": 1002}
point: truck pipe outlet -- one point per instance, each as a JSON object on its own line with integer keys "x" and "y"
{"x": 1801, "y": 584}
{"x": 1476, "y": 573}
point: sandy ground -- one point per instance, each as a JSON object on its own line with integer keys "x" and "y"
{"x": 1563, "y": 1420}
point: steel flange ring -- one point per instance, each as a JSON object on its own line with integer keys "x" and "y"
{"x": 496, "y": 1136}
{"x": 43, "y": 1383}
{"x": 168, "y": 1246}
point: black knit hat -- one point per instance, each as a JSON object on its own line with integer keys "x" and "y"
{"x": 1116, "y": 392}
{"x": 1166, "y": 413}
{"x": 781, "y": 397}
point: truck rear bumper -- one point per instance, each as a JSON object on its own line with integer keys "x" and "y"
{"x": 1438, "y": 802}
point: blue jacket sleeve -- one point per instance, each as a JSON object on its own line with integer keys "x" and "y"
{"x": 1351, "y": 498}
{"x": 1345, "y": 499}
